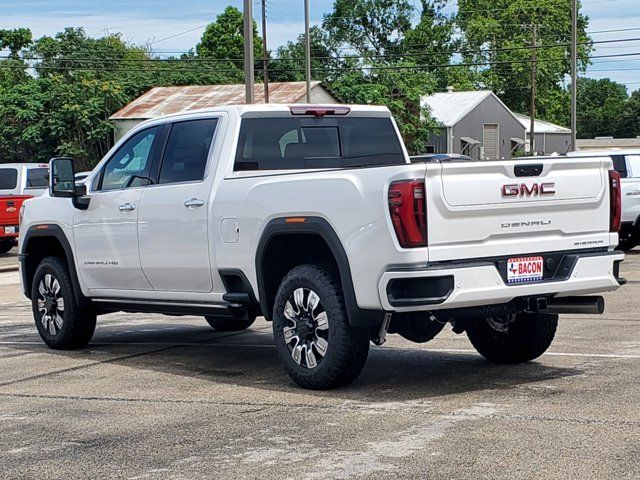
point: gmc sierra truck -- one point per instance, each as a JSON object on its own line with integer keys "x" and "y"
{"x": 315, "y": 218}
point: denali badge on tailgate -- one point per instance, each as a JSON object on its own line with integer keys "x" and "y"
{"x": 524, "y": 269}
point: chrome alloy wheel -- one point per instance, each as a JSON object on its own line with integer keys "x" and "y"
{"x": 50, "y": 304}
{"x": 307, "y": 335}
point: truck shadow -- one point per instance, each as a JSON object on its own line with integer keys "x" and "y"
{"x": 401, "y": 373}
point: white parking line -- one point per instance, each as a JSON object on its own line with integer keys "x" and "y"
{"x": 260, "y": 345}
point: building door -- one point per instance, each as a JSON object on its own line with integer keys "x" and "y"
{"x": 491, "y": 141}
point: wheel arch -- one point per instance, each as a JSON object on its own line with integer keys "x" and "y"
{"x": 325, "y": 245}
{"x": 41, "y": 241}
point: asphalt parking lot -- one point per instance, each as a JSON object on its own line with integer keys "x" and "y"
{"x": 157, "y": 397}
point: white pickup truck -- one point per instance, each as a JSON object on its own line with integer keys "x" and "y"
{"x": 315, "y": 218}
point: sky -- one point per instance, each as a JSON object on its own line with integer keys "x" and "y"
{"x": 162, "y": 24}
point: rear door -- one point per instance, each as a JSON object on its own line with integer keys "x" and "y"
{"x": 173, "y": 221}
{"x": 483, "y": 209}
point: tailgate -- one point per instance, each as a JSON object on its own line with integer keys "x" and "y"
{"x": 10, "y": 208}
{"x": 484, "y": 209}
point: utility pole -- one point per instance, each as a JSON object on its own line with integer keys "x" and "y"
{"x": 534, "y": 74}
{"x": 265, "y": 53}
{"x": 574, "y": 73}
{"x": 248, "y": 51}
{"x": 307, "y": 35}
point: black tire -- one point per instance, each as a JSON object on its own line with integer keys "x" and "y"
{"x": 514, "y": 339}
{"x": 227, "y": 324}
{"x": 316, "y": 329}
{"x": 77, "y": 326}
{"x": 627, "y": 243}
{"x": 6, "y": 245}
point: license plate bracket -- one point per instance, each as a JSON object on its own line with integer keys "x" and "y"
{"x": 525, "y": 269}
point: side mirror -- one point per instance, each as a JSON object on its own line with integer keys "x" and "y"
{"x": 62, "y": 183}
{"x": 62, "y": 178}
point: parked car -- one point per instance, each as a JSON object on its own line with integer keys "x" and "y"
{"x": 81, "y": 177}
{"x": 627, "y": 164}
{"x": 18, "y": 182}
{"x": 315, "y": 218}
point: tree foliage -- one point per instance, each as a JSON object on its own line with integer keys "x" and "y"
{"x": 601, "y": 106}
{"x": 498, "y": 35}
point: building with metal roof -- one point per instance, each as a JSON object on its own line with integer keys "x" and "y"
{"x": 548, "y": 137}
{"x": 477, "y": 124}
{"x": 160, "y": 101}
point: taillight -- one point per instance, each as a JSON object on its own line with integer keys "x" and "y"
{"x": 21, "y": 215}
{"x": 408, "y": 212}
{"x": 615, "y": 201}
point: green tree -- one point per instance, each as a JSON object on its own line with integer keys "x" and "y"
{"x": 289, "y": 64}
{"x": 224, "y": 39}
{"x": 498, "y": 34}
{"x": 370, "y": 27}
{"x": 601, "y": 106}
{"x": 430, "y": 43}
{"x": 15, "y": 40}
{"x": 630, "y": 120}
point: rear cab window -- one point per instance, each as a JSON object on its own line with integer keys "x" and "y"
{"x": 8, "y": 178}
{"x": 286, "y": 143}
{"x": 37, "y": 178}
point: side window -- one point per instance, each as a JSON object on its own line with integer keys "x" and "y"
{"x": 37, "y": 177}
{"x": 130, "y": 165}
{"x": 633, "y": 165}
{"x": 187, "y": 150}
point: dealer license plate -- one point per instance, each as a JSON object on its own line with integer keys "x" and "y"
{"x": 9, "y": 230}
{"x": 525, "y": 269}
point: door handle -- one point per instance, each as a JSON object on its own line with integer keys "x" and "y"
{"x": 193, "y": 203}
{"x": 127, "y": 207}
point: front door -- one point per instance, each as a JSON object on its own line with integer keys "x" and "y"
{"x": 105, "y": 234}
{"x": 173, "y": 220}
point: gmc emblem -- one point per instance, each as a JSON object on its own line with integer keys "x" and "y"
{"x": 524, "y": 190}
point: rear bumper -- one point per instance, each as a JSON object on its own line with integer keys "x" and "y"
{"x": 480, "y": 283}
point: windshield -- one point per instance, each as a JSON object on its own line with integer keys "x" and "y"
{"x": 8, "y": 178}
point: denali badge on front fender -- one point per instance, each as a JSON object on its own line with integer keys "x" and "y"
{"x": 524, "y": 190}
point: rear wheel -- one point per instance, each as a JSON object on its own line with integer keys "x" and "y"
{"x": 61, "y": 323}
{"x": 313, "y": 337}
{"x": 512, "y": 338}
{"x": 6, "y": 245}
{"x": 229, "y": 324}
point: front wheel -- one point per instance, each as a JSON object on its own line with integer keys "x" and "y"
{"x": 313, "y": 337}
{"x": 512, "y": 338}
{"x": 61, "y": 323}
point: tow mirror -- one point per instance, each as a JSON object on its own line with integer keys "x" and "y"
{"x": 62, "y": 182}
{"x": 62, "y": 178}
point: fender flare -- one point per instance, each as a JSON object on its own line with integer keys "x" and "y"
{"x": 315, "y": 226}
{"x": 53, "y": 231}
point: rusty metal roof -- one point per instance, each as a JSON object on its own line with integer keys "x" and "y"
{"x": 161, "y": 101}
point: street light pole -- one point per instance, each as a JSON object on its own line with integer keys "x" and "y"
{"x": 265, "y": 53}
{"x": 307, "y": 34}
{"x": 574, "y": 73}
{"x": 248, "y": 51}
